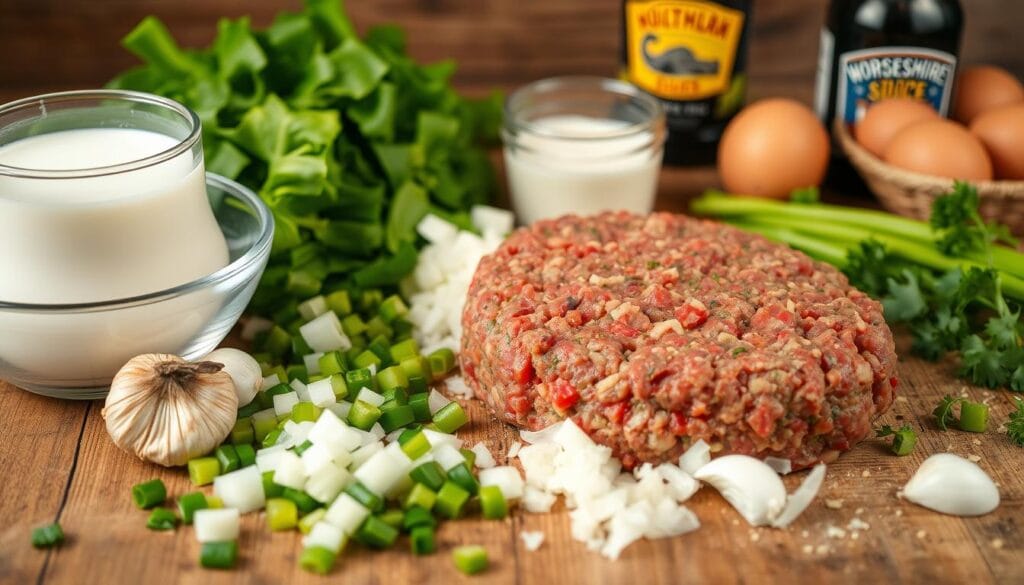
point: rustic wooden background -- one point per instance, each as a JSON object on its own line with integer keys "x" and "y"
{"x": 64, "y": 44}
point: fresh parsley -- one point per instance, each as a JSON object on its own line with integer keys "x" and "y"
{"x": 943, "y": 413}
{"x": 1015, "y": 426}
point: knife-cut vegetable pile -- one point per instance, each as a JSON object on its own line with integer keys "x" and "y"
{"x": 348, "y": 140}
{"x": 951, "y": 281}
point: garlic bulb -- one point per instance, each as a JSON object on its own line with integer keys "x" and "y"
{"x": 244, "y": 370}
{"x": 952, "y": 485}
{"x": 164, "y": 409}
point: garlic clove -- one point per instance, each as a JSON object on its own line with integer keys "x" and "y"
{"x": 802, "y": 497}
{"x": 752, "y": 487}
{"x": 697, "y": 456}
{"x": 952, "y": 485}
{"x": 244, "y": 370}
{"x": 164, "y": 409}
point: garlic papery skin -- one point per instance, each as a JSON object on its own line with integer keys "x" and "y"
{"x": 164, "y": 409}
{"x": 752, "y": 487}
{"x": 244, "y": 370}
{"x": 952, "y": 485}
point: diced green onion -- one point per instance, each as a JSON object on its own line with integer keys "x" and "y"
{"x": 415, "y": 367}
{"x": 339, "y": 387}
{"x": 358, "y": 379}
{"x": 392, "y": 517}
{"x": 463, "y": 477}
{"x": 397, "y": 395}
{"x": 266, "y": 401}
{"x": 317, "y": 559}
{"x": 903, "y": 442}
{"x": 415, "y": 445}
{"x": 973, "y": 417}
{"x": 352, "y": 325}
{"x": 396, "y": 418}
{"x": 242, "y": 433}
{"x": 303, "y": 501}
{"x": 281, "y": 373}
{"x": 271, "y": 489}
{"x": 151, "y": 493}
{"x": 420, "y": 405}
{"x": 492, "y": 502}
{"x": 298, "y": 372}
{"x": 281, "y": 388}
{"x": 441, "y": 362}
{"x": 332, "y": 362}
{"x": 367, "y": 359}
{"x": 364, "y": 496}
{"x": 392, "y": 378}
{"x": 376, "y": 533}
{"x": 418, "y": 385}
{"x": 301, "y": 448}
{"x": 275, "y": 341}
{"x": 470, "y": 456}
{"x": 381, "y": 347}
{"x": 339, "y": 302}
{"x": 429, "y": 474}
{"x": 470, "y": 559}
{"x": 189, "y": 503}
{"x": 249, "y": 409}
{"x": 219, "y": 555}
{"x": 450, "y": 418}
{"x": 271, "y": 439}
{"x": 302, "y": 283}
{"x": 450, "y": 500}
{"x": 405, "y": 350}
{"x": 363, "y": 415}
{"x": 282, "y": 514}
{"x": 392, "y": 308}
{"x": 371, "y": 299}
{"x": 228, "y": 459}
{"x": 402, "y": 330}
{"x": 162, "y": 519}
{"x": 47, "y": 536}
{"x": 417, "y": 516}
{"x": 421, "y": 540}
{"x": 420, "y": 496}
{"x": 299, "y": 347}
{"x": 305, "y": 411}
{"x": 312, "y": 308}
{"x": 246, "y": 455}
{"x": 213, "y": 502}
{"x": 308, "y": 521}
{"x": 376, "y": 327}
{"x": 263, "y": 422}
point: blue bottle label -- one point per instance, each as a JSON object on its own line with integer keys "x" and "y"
{"x": 870, "y": 75}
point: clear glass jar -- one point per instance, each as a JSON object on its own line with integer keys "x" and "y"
{"x": 582, "y": 145}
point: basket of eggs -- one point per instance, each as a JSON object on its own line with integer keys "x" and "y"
{"x": 909, "y": 155}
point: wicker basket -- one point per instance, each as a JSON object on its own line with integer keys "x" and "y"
{"x": 911, "y": 194}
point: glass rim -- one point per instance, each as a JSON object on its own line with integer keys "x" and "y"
{"x": 514, "y": 102}
{"x": 246, "y": 260}
{"x": 41, "y": 101}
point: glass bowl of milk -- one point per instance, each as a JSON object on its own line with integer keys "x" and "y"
{"x": 582, "y": 145}
{"x": 114, "y": 241}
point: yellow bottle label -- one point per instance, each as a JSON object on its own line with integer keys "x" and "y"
{"x": 681, "y": 50}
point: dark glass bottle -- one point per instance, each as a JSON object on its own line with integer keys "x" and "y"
{"x": 876, "y": 49}
{"x": 691, "y": 55}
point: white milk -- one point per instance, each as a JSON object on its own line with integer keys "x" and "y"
{"x": 107, "y": 237}
{"x": 99, "y": 239}
{"x": 552, "y": 172}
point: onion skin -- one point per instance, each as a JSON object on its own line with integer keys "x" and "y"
{"x": 165, "y": 410}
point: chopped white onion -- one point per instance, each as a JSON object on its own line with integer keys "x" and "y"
{"x": 241, "y": 489}
{"x": 436, "y": 230}
{"x": 697, "y": 456}
{"x": 331, "y": 432}
{"x": 326, "y": 535}
{"x": 310, "y": 309}
{"x": 752, "y": 487}
{"x": 321, "y": 392}
{"x": 340, "y": 409}
{"x": 436, "y": 401}
{"x": 484, "y": 459}
{"x": 327, "y": 482}
{"x": 802, "y": 497}
{"x": 324, "y": 333}
{"x": 377, "y": 432}
{"x": 362, "y": 454}
{"x": 506, "y": 477}
{"x": 532, "y": 540}
{"x": 346, "y": 513}
{"x": 300, "y": 390}
{"x": 457, "y": 386}
{"x": 267, "y": 459}
{"x": 315, "y": 458}
{"x": 370, "y": 397}
{"x": 382, "y": 471}
{"x": 298, "y": 431}
{"x": 513, "y": 451}
{"x": 269, "y": 382}
{"x": 491, "y": 220}
{"x": 447, "y": 456}
{"x": 312, "y": 362}
{"x": 290, "y": 471}
{"x": 283, "y": 403}
{"x": 438, "y": 438}
{"x": 537, "y": 501}
{"x": 216, "y": 524}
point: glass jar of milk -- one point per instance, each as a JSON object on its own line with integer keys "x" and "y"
{"x": 102, "y": 198}
{"x": 582, "y": 145}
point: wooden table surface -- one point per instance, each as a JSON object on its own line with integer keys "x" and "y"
{"x": 59, "y": 464}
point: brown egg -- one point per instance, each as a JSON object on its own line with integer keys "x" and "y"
{"x": 772, "y": 147}
{"x": 982, "y": 88}
{"x": 886, "y": 118}
{"x": 1002, "y": 132}
{"x": 940, "y": 148}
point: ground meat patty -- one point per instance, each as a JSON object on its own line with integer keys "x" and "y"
{"x": 653, "y": 332}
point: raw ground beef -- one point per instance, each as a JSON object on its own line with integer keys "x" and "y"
{"x": 653, "y": 332}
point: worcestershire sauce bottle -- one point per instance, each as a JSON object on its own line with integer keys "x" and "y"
{"x": 691, "y": 54}
{"x": 878, "y": 49}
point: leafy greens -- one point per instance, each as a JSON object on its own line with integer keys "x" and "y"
{"x": 348, "y": 140}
